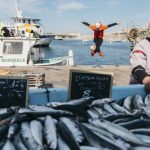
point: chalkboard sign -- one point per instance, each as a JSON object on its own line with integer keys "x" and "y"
{"x": 13, "y": 91}
{"x": 85, "y": 84}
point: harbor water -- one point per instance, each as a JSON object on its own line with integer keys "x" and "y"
{"x": 114, "y": 52}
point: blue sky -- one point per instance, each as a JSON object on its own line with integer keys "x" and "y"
{"x": 65, "y": 15}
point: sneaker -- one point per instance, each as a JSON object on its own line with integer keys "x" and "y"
{"x": 92, "y": 53}
{"x": 101, "y": 54}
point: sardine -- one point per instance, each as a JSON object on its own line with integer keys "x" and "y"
{"x": 144, "y": 138}
{"x": 73, "y": 127}
{"x": 37, "y": 131}
{"x": 3, "y": 131}
{"x": 147, "y": 100}
{"x": 112, "y": 117}
{"x": 67, "y": 136}
{"x": 2, "y": 143}
{"x": 13, "y": 128}
{"x": 8, "y": 146}
{"x": 109, "y": 108}
{"x": 27, "y": 137}
{"x": 99, "y": 130}
{"x": 144, "y": 131}
{"x": 92, "y": 113}
{"x": 100, "y": 102}
{"x": 61, "y": 145}
{"x": 4, "y": 113}
{"x": 117, "y": 130}
{"x": 134, "y": 124}
{"x": 89, "y": 148}
{"x": 127, "y": 103}
{"x": 82, "y": 102}
{"x": 40, "y": 111}
{"x": 50, "y": 132}
{"x": 141, "y": 148}
{"x": 97, "y": 140}
{"x": 18, "y": 143}
{"x": 138, "y": 102}
{"x": 124, "y": 120}
{"x": 119, "y": 108}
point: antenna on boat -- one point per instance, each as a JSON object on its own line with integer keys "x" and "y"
{"x": 18, "y": 11}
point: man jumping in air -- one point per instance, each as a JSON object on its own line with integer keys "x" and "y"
{"x": 98, "y": 29}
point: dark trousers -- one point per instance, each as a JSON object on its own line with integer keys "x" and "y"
{"x": 98, "y": 42}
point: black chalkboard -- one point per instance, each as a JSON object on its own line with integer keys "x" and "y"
{"x": 85, "y": 84}
{"x": 13, "y": 91}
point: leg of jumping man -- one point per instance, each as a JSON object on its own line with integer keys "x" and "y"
{"x": 98, "y": 43}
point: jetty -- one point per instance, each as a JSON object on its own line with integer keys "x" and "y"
{"x": 58, "y": 76}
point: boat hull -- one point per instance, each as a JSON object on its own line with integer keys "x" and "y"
{"x": 53, "y": 61}
{"x": 44, "y": 40}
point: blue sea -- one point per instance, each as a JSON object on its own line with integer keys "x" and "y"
{"x": 114, "y": 53}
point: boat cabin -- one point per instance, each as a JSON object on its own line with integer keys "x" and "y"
{"x": 15, "y": 51}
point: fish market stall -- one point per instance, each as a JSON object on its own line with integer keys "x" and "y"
{"x": 50, "y": 121}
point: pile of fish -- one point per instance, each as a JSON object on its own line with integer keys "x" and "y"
{"x": 82, "y": 124}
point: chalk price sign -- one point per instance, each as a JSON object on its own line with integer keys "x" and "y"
{"x": 85, "y": 84}
{"x": 13, "y": 91}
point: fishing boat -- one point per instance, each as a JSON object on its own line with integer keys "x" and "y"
{"x": 28, "y": 27}
{"x": 20, "y": 51}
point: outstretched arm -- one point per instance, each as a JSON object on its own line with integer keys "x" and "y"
{"x": 85, "y": 23}
{"x": 113, "y": 24}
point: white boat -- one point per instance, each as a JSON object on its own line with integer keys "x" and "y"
{"x": 16, "y": 51}
{"x": 28, "y": 27}
{"x": 44, "y": 40}
{"x": 85, "y": 40}
{"x": 58, "y": 38}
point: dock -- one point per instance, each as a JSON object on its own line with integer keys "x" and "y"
{"x": 58, "y": 76}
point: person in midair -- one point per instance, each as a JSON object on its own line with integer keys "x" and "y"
{"x": 98, "y": 29}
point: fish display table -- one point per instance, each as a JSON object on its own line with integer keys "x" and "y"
{"x": 118, "y": 123}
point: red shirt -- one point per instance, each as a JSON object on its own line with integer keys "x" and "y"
{"x": 98, "y": 33}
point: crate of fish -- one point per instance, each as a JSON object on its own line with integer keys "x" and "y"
{"x": 35, "y": 79}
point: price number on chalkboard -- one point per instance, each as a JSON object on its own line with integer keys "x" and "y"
{"x": 86, "y": 84}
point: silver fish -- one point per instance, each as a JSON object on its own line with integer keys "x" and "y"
{"x": 18, "y": 143}
{"x": 88, "y": 148}
{"x": 92, "y": 113}
{"x": 8, "y": 146}
{"x": 99, "y": 130}
{"x": 147, "y": 100}
{"x": 3, "y": 110}
{"x": 138, "y": 102}
{"x": 12, "y": 130}
{"x": 23, "y": 110}
{"x": 117, "y": 130}
{"x": 27, "y": 136}
{"x": 119, "y": 108}
{"x": 50, "y": 132}
{"x": 100, "y": 102}
{"x": 141, "y": 148}
{"x": 98, "y": 140}
{"x": 62, "y": 144}
{"x": 73, "y": 127}
{"x": 127, "y": 103}
{"x": 144, "y": 138}
{"x": 109, "y": 108}
{"x": 37, "y": 131}
{"x": 43, "y": 109}
{"x": 67, "y": 136}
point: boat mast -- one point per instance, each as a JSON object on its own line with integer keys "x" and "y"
{"x": 18, "y": 11}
